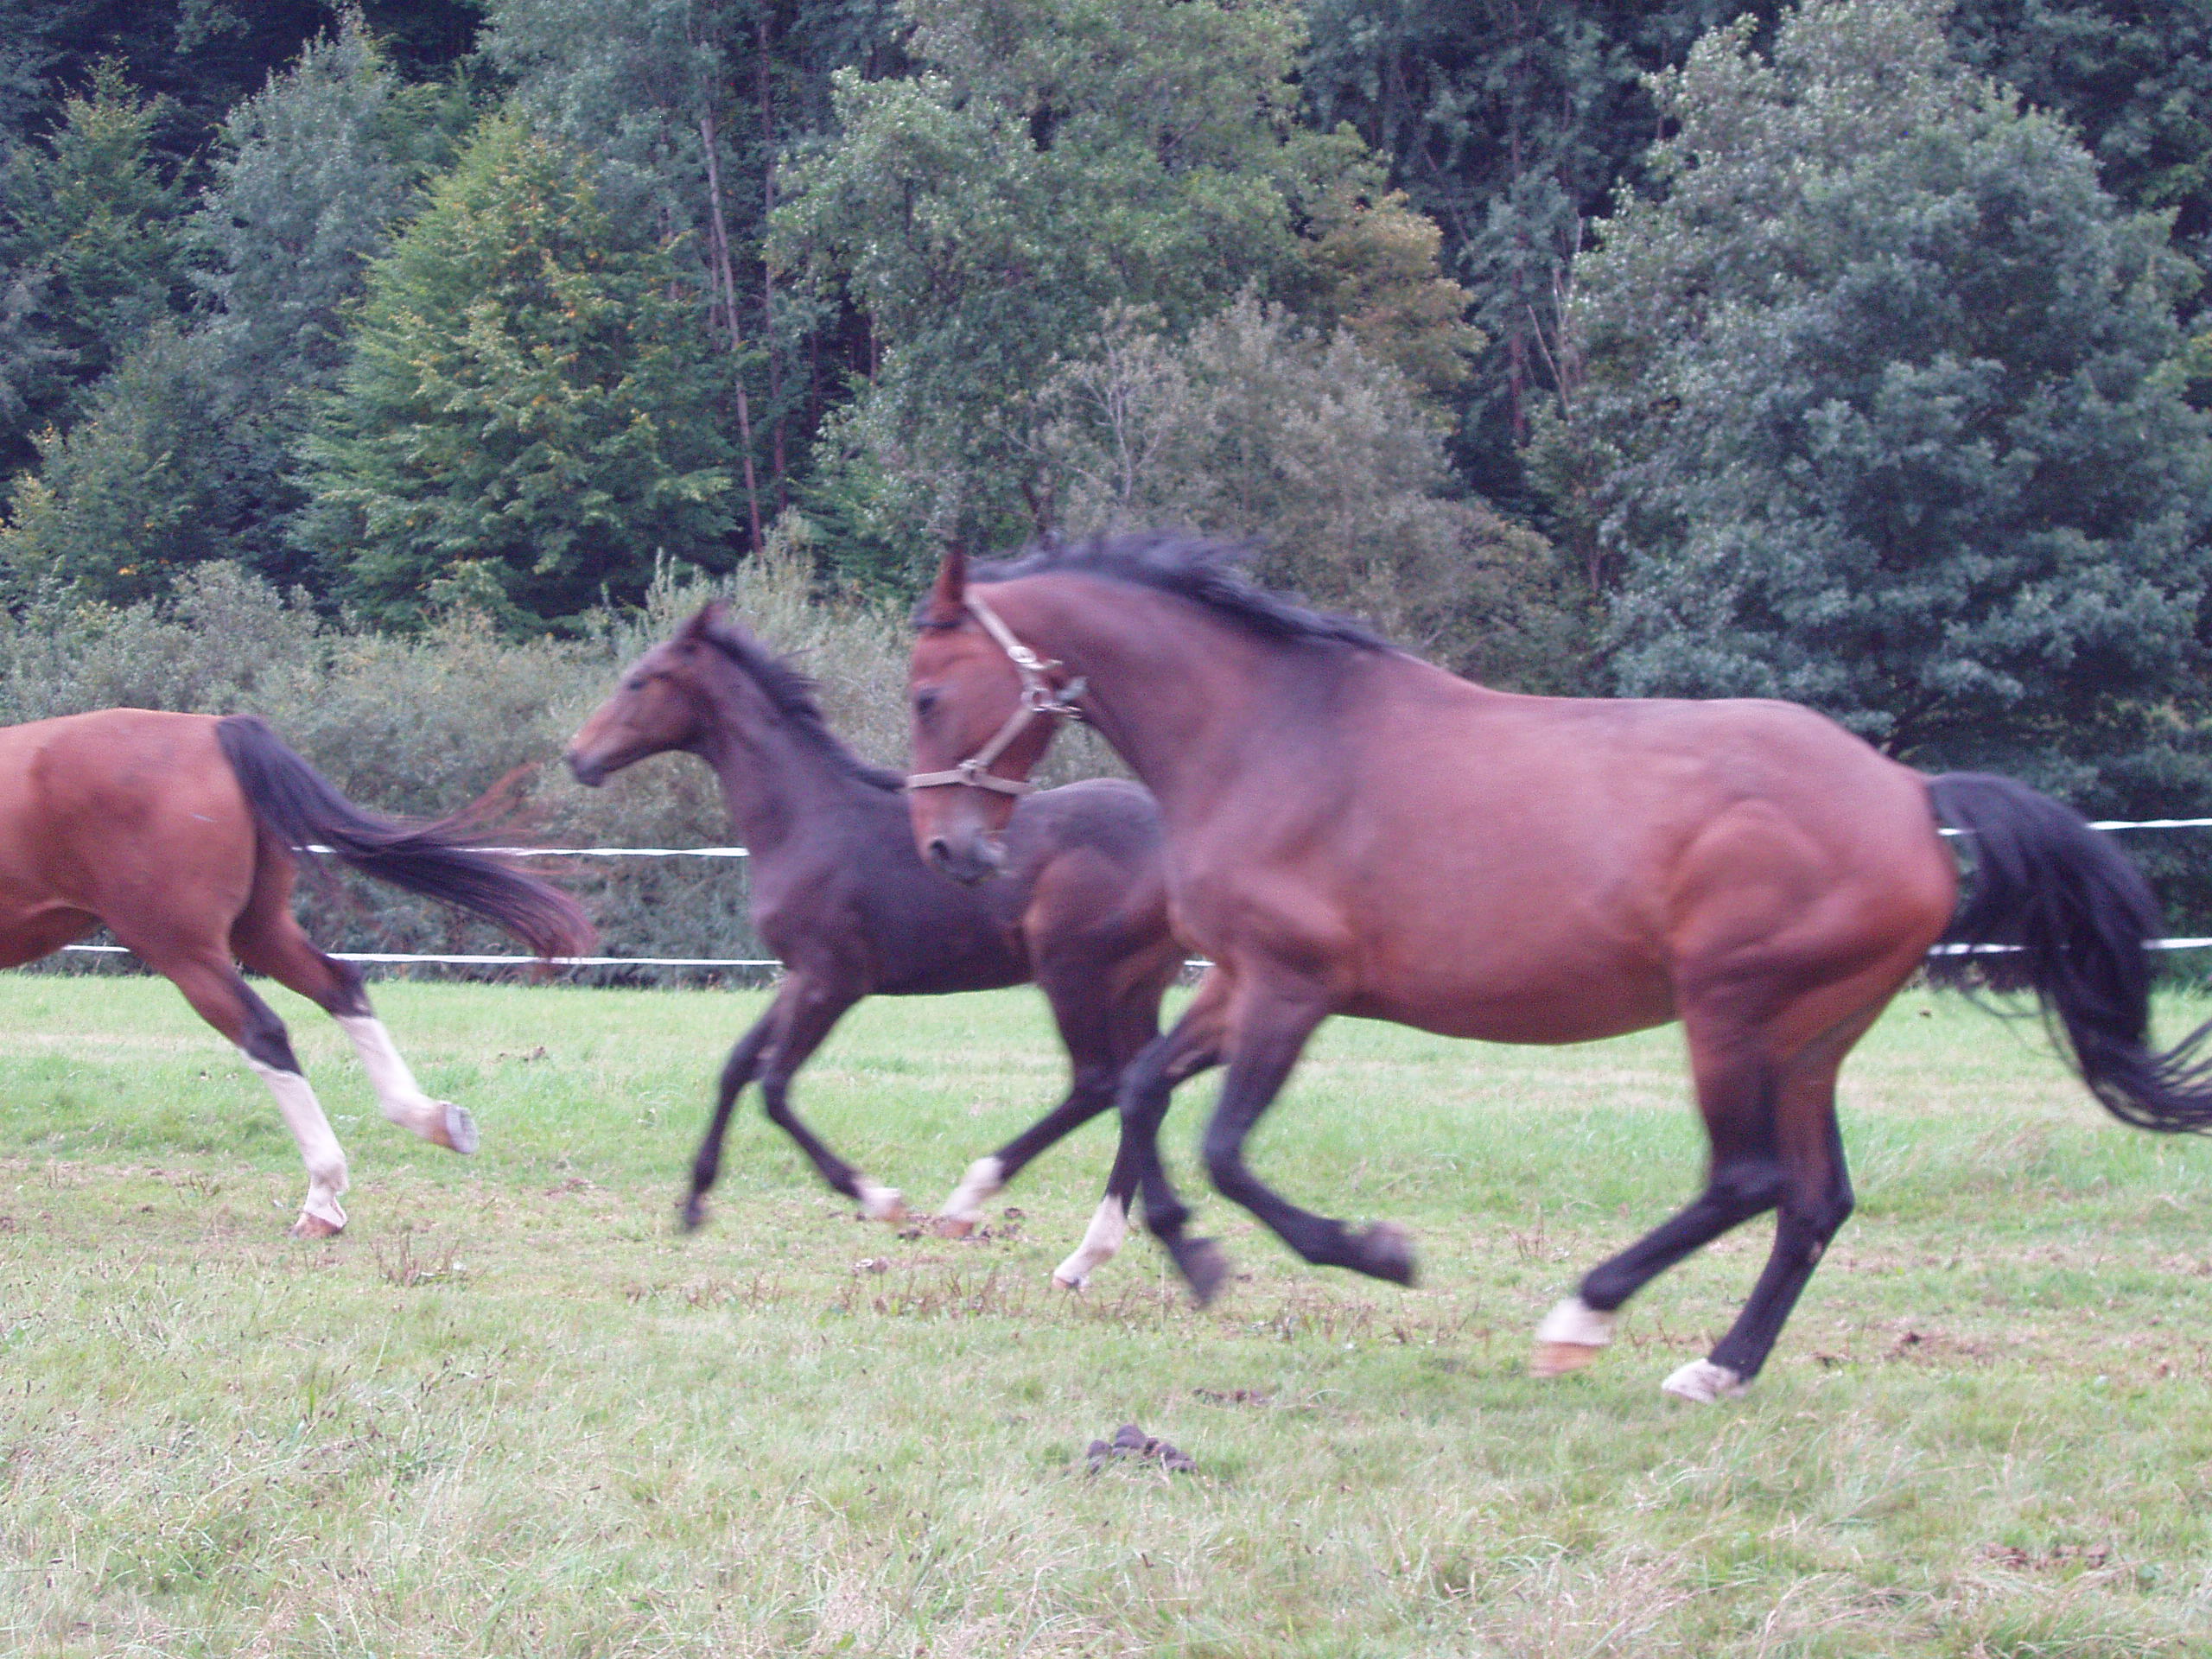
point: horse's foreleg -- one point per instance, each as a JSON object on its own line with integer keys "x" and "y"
{"x": 809, "y": 1012}
{"x": 223, "y": 999}
{"x": 1147, "y": 1087}
{"x": 738, "y": 1071}
{"x": 1272, "y": 1033}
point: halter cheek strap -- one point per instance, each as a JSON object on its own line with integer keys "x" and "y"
{"x": 1039, "y": 698}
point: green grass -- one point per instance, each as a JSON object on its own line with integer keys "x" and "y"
{"x": 509, "y": 1412}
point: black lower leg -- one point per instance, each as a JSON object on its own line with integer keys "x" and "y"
{"x": 1738, "y": 1191}
{"x": 707, "y": 1162}
{"x": 1092, "y": 1094}
{"x": 1147, "y": 1088}
{"x": 263, "y": 1037}
{"x": 1263, "y": 1063}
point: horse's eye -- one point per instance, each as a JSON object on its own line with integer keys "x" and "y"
{"x": 924, "y": 701}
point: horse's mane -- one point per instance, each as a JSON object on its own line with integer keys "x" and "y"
{"x": 1207, "y": 573}
{"x": 791, "y": 694}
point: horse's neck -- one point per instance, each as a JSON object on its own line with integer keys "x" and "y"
{"x": 776, "y": 784}
{"x": 1181, "y": 699}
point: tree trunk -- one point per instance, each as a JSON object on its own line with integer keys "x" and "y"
{"x": 729, "y": 311}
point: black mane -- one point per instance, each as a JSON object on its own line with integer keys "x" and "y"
{"x": 791, "y": 693}
{"x": 1204, "y": 572}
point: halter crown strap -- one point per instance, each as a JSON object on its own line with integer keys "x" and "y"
{"x": 1040, "y": 696}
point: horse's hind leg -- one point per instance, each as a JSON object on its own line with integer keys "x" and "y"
{"x": 1813, "y": 1201}
{"x": 1101, "y": 1037}
{"x": 805, "y": 1012}
{"x": 1775, "y": 1146}
{"x": 225, "y": 1001}
{"x": 269, "y": 941}
{"x": 1736, "y": 1092}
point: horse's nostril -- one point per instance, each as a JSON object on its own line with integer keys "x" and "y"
{"x": 939, "y": 849}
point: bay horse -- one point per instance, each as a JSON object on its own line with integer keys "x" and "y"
{"x": 840, "y": 896}
{"x": 178, "y": 832}
{"x": 1354, "y": 831}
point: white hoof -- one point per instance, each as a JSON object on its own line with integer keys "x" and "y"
{"x": 1102, "y": 1242}
{"x": 1705, "y": 1383}
{"x": 882, "y": 1203}
{"x": 1574, "y": 1320}
{"x": 459, "y": 1130}
{"x": 985, "y": 1180}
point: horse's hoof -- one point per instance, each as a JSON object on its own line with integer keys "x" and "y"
{"x": 691, "y": 1214}
{"x": 458, "y": 1131}
{"x": 1572, "y": 1336}
{"x": 882, "y": 1203}
{"x": 1203, "y": 1267}
{"x": 310, "y": 1225}
{"x": 1705, "y": 1383}
{"x": 1386, "y": 1251}
{"x": 1066, "y": 1281}
{"x": 1558, "y": 1358}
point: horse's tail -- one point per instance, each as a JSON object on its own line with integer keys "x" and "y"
{"x": 300, "y": 807}
{"x": 2068, "y": 917}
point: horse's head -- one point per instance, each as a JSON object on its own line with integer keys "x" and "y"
{"x": 982, "y": 721}
{"x": 656, "y": 708}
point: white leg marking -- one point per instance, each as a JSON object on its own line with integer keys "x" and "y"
{"x": 881, "y": 1202}
{"x": 319, "y": 1147}
{"x": 1574, "y": 1320}
{"x": 1705, "y": 1383}
{"x": 1102, "y": 1242}
{"x": 398, "y": 1095}
{"x": 985, "y": 1180}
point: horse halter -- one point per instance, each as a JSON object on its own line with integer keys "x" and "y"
{"x": 1040, "y": 696}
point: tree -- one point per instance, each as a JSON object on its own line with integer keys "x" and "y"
{"x": 1882, "y": 374}
{"x": 1047, "y": 161}
{"x": 311, "y": 177}
{"x": 1511, "y": 125}
{"x": 88, "y": 252}
{"x": 525, "y": 419}
{"x": 1328, "y": 460}
{"x": 127, "y": 499}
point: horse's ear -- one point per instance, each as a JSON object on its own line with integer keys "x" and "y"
{"x": 948, "y": 601}
{"x": 704, "y": 621}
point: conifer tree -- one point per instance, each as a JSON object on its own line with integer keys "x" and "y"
{"x": 526, "y": 420}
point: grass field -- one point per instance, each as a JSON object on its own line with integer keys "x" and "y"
{"x": 509, "y": 1413}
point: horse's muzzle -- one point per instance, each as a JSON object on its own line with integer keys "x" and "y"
{"x": 972, "y": 859}
{"x": 589, "y": 772}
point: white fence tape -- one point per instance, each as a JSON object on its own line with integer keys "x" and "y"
{"x": 396, "y": 958}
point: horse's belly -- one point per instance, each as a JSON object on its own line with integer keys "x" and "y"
{"x": 1545, "y": 1006}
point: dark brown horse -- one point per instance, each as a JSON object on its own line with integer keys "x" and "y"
{"x": 840, "y": 895}
{"x": 178, "y": 832}
{"x": 1352, "y": 830}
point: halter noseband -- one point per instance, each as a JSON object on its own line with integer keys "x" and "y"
{"x": 1040, "y": 696}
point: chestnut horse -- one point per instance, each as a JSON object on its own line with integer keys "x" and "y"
{"x": 1352, "y": 830}
{"x": 178, "y": 831}
{"x": 840, "y": 895}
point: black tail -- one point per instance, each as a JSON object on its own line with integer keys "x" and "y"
{"x": 297, "y": 804}
{"x": 2073, "y": 917}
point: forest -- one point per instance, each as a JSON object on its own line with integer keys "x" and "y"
{"x": 1857, "y": 353}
